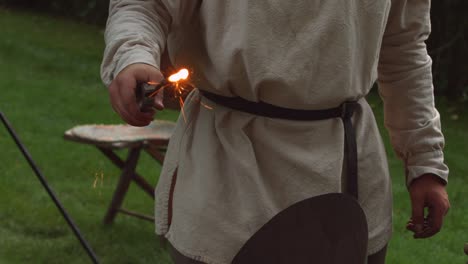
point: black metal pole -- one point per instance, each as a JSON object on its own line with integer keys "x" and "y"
{"x": 49, "y": 190}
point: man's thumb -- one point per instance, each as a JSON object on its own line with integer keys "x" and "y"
{"x": 159, "y": 100}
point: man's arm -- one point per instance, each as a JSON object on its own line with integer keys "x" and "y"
{"x": 135, "y": 37}
{"x": 405, "y": 85}
{"x": 136, "y": 32}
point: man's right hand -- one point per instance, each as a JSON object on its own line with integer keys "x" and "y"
{"x": 122, "y": 93}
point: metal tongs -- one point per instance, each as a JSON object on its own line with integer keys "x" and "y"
{"x": 146, "y": 92}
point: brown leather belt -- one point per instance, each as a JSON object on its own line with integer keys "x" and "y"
{"x": 344, "y": 111}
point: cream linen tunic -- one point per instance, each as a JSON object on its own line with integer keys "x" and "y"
{"x": 235, "y": 170}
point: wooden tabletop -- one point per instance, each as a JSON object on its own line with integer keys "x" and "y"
{"x": 121, "y": 136}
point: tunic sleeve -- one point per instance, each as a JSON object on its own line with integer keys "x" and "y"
{"x": 135, "y": 33}
{"x": 405, "y": 85}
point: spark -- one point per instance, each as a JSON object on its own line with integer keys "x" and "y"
{"x": 177, "y": 80}
{"x": 102, "y": 183}
{"x": 98, "y": 177}
{"x": 206, "y": 106}
{"x": 95, "y": 180}
{"x": 157, "y": 91}
{"x": 181, "y": 101}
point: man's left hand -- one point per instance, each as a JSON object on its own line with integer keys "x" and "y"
{"x": 427, "y": 191}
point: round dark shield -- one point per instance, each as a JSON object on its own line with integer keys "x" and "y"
{"x": 326, "y": 229}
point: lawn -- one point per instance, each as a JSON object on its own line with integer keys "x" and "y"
{"x": 49, "y": 81}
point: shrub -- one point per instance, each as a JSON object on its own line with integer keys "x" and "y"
{"x": 90, "y": 11}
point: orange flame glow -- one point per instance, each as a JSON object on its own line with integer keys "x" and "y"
{"x": 179, "y": 76}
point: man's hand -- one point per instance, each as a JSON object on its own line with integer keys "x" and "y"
{"x": 122, "y": 93}
{"x": 427, "y": 191}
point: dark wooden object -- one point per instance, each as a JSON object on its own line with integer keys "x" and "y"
{"x": 153, "y": 139}
{"x": 327, "y": 229}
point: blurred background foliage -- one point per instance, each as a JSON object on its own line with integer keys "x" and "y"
{"x": 88, "y": 11}
{"x": 447, "y": 45}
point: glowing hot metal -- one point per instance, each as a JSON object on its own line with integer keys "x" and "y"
{"x": 179, "y": 76}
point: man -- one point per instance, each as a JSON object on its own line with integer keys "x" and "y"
{"x": 227, "y": 172}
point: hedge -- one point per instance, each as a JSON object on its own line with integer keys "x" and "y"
{"x": 89, "y": 11}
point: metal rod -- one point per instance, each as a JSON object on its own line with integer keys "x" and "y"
{"x": 49, "y": 190}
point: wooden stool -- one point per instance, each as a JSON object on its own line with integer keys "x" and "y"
{"x": 153, "y": 138}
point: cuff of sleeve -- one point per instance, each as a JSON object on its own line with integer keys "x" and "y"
{"x": 123, "y": 59}
{"x": 424, "y": 163}
{"x": 136, "y": 56}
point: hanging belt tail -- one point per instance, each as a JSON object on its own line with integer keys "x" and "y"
{"x": 345, "y": 111}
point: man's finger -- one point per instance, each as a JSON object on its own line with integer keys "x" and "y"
{"x": 436, "y": 216}
{"x": 417, "y": 214}
{"x": 116, "y": 104}
{"x": 129, "y": 103}
{"x": 427, "y": 230}
{"x": 119, "y": 107}
{"x": 435, "y": 220}
{"x": 410, "y": 226}
{"x": 129, "y": 118}
{"x": 114, "y": 96}
{"x": 148, "y": 74}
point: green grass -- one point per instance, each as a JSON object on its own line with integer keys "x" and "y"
{"x": 447, "y": 246}
{"x": 49, "y": 79}
{"x": 49, "y": 82}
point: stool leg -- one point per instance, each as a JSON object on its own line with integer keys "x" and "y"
{"x": 124, "y": 182}
{"x": 148, "y": 188}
